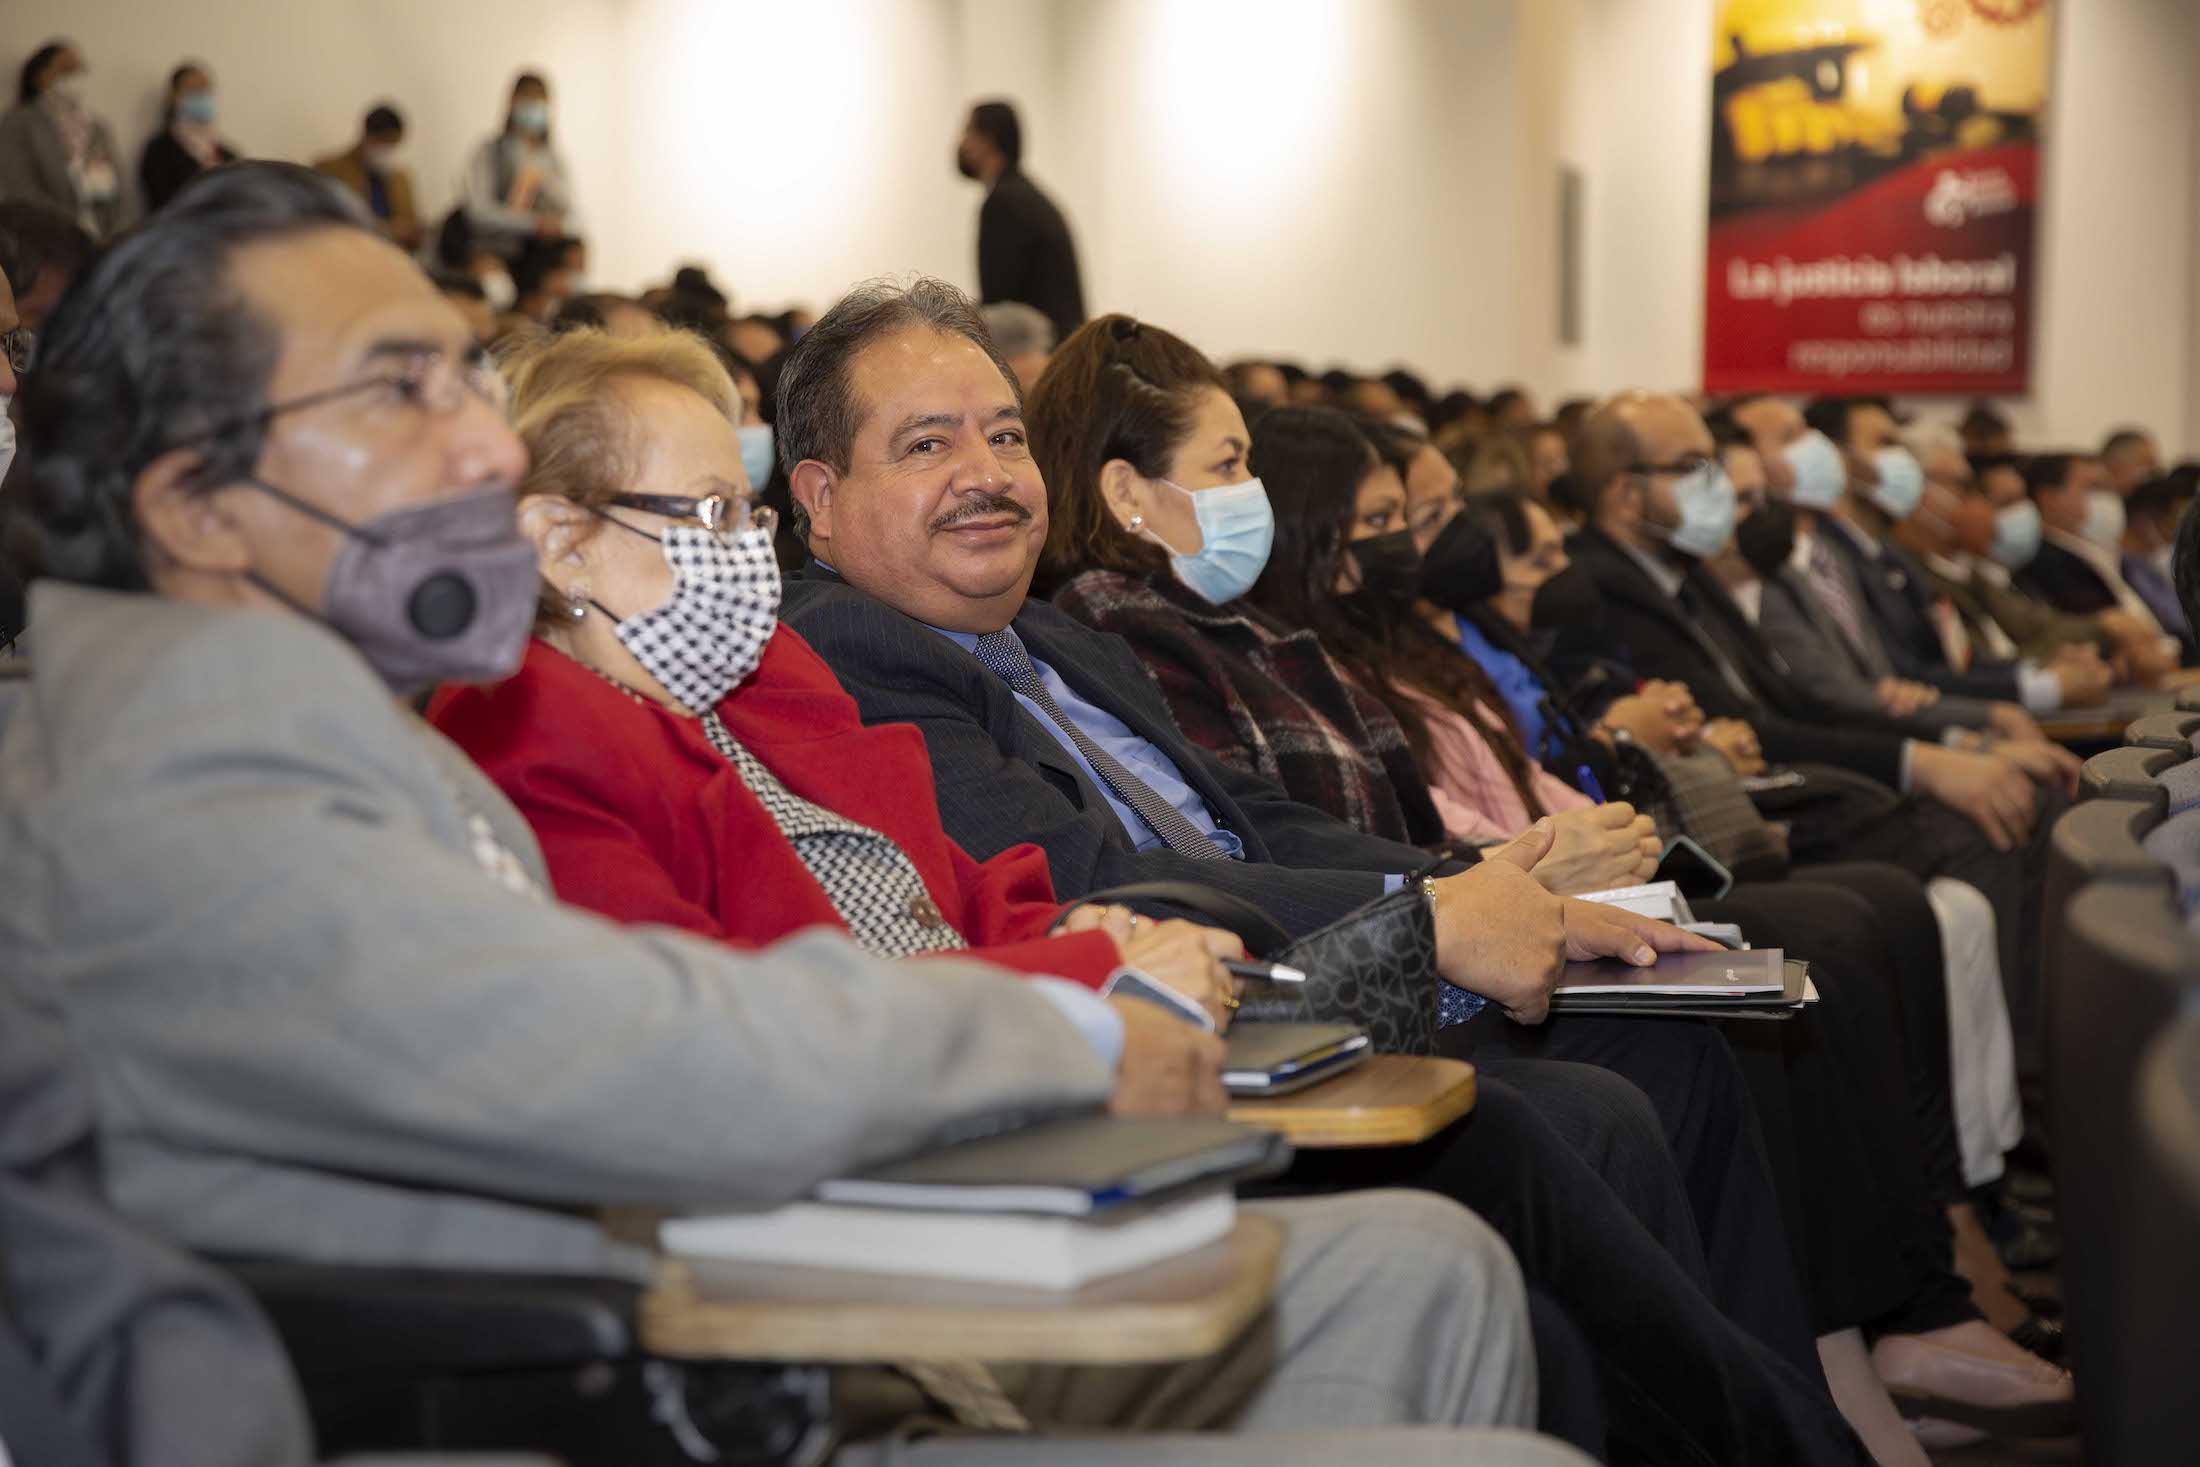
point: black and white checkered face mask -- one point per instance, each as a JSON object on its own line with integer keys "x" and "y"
{"x": 724, "y": 607}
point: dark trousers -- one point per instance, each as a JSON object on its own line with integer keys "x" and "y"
{"x": 1833, "y": 1091}
{"x": 1928, "y": 839}
{"x": 1618, "y": 1252}
{"x": 1871, "y": 917}
{"x": 1702, "y": 1109}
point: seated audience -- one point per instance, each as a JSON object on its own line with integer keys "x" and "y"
{"x": 1954, "y": 523}
{"x": 41, "y": 250}
{"x": 774, "y": 809}
{"x": 2077, "y": 569}
{"x": 518, "y": 200}
{"x": 188, "y": 143}
{"x": 613, "y": 314}
{"x": 1999, "y": 536}
{"x": 55, "y": 151}
{"x": 369, "y": 168}
{"x": 2153, "y": 511}
{"x": 2131, "y": 459}
{"x": 931, "y": 447}
{"x": 1261, "y": 382}
{"x": 290, "y": 929}
{"x": 1872, "y": 593}
{"x": 1862, "y": 927}
{"x": 1661, "y": 505}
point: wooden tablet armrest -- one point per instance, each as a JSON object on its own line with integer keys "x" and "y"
{"x": 1179, "y": 1309}
{"x": 1392, "y": 1100}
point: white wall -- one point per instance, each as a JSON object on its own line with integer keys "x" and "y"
{"x": 1322, "y": 179}
{"x": 295, "y": 77}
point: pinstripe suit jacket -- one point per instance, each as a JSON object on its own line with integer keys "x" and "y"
{"x": 1003, "y": 778}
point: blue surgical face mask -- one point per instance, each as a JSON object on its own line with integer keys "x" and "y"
{"x": 756, "y": 452}
{"x": 196, "y": 107}
{"x": 1236, "y": 528}
{"x": 1820, "y": 475}
{"x": 2016, "y": 534}
{"x": 1901, "y": 483}
{"x": 1706, "y": 498}
{"x": 2104, "y": 520}
{"x": 531, "y": 117}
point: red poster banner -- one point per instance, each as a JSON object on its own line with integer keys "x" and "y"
{"x": 1874, "y": 181}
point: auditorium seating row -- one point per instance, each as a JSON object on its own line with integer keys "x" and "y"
{"x": 2123, "y": 1011}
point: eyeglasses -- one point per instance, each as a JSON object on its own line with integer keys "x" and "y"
{"x": 21, "y": 345}
{"x": 1687, "y": 463}
{"x": 723, "y": 514}
{"x": 431, "y": 382}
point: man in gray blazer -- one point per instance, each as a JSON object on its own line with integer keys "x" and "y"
{"x": 325, "y": 1005}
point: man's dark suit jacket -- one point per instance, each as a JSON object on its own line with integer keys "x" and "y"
{"x": 1683, "y": 638}
{"x": 1004, "y": 779}
{"x": 1025, "y": 253}
{"x": 2065, "y": 582}
{"x": 1898, "y": 596}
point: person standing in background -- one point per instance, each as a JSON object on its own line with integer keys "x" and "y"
{"x": 1024, "y": 249}
{"x": 187, "y": 145}
{"x": 518, "y": 199}
{"x": 53, "y": 151}
{"x": 369, "y": 169}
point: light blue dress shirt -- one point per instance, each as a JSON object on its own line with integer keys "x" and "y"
{"x": 1088, "y": 1013}
{"x": 1132, "y": 752}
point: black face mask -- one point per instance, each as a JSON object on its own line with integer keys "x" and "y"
{"x": 1767, "y": 538}
{"x": 1390, "y": 571}
{"x": 1568, "y": 601}
{"x": 1460, "y": 570}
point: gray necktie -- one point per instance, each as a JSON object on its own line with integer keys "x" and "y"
{"x": 1005, "y": 655}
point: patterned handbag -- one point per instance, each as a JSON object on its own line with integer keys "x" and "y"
{"x": 1374, "y": 968}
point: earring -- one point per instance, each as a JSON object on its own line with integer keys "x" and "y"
{"x": 1138, "y": 522}
{"x": 576, "y": 603}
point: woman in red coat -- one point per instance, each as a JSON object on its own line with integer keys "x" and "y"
{"x": 772, "y": 808}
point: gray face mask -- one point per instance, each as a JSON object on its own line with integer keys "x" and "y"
{"x": 431, "y": 593}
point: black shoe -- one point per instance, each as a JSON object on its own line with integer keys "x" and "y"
{"x": 2024, "y": 1246}
{"x": 2043, "y": 1337}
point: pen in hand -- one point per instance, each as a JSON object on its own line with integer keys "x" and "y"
{"x": 1263, "y": 972}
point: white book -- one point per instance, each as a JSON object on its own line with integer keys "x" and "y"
{"x": 996, "y": 1248}
{"x": 1661, "y": 900}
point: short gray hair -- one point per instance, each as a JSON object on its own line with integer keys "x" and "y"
{"x": 818, "y": 411}
{"x": 1018, "y": 330}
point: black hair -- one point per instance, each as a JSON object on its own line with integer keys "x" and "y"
{"x": 1337, "y": 382}
{"x": 35, "y": 238}
{"x": 2185, "y": 568}
{"x": 1411, "y": 390}
{"x": 152, "y": 346}
{"x": 1312, "y": 462}
{"x": 997, "y": 121}
{"x": 384, "y": 118}
{"x": 1503, "y": 398}
{"x": 2047, "y": 471}
{"x": 1830, "y": 416}
{"x": 2156, "y": 495}
{"x": 1293, "y": 373}
{"x": 818, "y": 412}
{"x": 458, "y": 282}
{"x": 175, "y": 80}
{"x": 1504, "y": 513}
{"x": 26, "y": 86}
{"x": 524, "y": 79}
{"x": 1982, "y": 418}
{"x": 1450, "y": 408}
